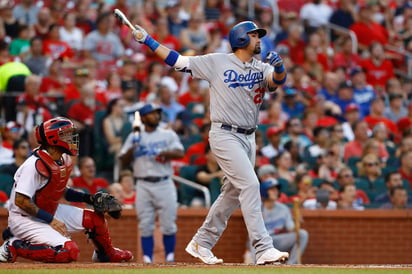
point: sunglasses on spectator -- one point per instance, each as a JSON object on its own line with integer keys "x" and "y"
{"x": 372, "y": 164}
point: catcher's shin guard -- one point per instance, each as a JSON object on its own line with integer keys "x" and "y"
{"x": 46, "y": 253}
{"x": 98, "y": 232}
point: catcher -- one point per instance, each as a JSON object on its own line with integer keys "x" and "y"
{"x": 40, "y": 226}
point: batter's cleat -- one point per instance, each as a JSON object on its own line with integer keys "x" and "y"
{"x": 272, "y": 256}
{"x": 8, "y": 253}
{"x": 202, "y": 253}
{"x": 116, "y": 256}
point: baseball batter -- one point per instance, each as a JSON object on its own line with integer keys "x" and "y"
{"x": 238, "y": 82}
{"x": 151, "y": 150}
{"x": 39, "y": 226}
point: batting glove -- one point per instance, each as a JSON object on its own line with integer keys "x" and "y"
{"x": 136, "y": 139}
{"x": 139, "y": 34}
{"x": 274, "y": 59}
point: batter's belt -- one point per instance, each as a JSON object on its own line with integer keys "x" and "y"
{"x": 153, "y": 179}
{"x": 246, "y": 131}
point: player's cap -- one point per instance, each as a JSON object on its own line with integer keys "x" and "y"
{"x": 148, "y": 108}
{"x": 352, "y": 107}
{"x": 266, "y": 170}
{"x": 126, "y": 85}
{"x": 81, "y": 72}
{"x": 268, "y": 184}
{"x": 273, "y": 131}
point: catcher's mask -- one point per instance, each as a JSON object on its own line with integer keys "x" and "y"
{"x": 59, "y": 132}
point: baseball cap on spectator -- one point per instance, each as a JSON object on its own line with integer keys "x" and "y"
{"x": 266, "y": 170}
{"x": 81, "y": 72}
{"x": 290, "y": 92}
{"x": 12, "y": 126}
{"x": 345, "y": 84}
{"x": 273, "y": 131}
{"x": 352, "y": 107}
{"x": 355, "y": 71}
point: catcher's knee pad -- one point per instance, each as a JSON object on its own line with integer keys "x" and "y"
{"x": 46, "y": 253}
{"x": 94, "y": 221}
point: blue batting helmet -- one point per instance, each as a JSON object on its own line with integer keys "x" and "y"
{"x": 238, "y": 36}
{"x": 148, "y": 108}
{"x": 266, "y": 185}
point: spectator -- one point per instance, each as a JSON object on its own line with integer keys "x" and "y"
{"x": 373, "y": 146}
{"x": 54, "y": 47}
{"x": 312, "y": 66}
{"x": 102, "y": 44}
{"x": 366, "y": 29}
{"x": 195, "y": 153}
{"x": 127, "y": 181}
{"x": 274, "y": 115}
{"x": 192, "y": 96}
{"x": 380, "y": 134}
{"x": 376, "y": 116}
{"x": 351, "y": 115}
{"x": 305, "y": 188}
{"x": 396, "y": 109}
{"x": 295, "y": 43}
{"x": 292, "y": 104}
{"x": 294, "y": 131}
{"x": 83, "y": 22}
{"x": 325, "y": 197}
{"x": 44, "y": 21}
{"x": 32, "y": 107}
{"x": 283, "y": 162}
{"x": 398, "y": 199}
{"x": 87, "y": 181}
{"x": 344, "y": 57}
{"x": 162, "y": 34}
{"x": 131, "y": 98}
{"x": 82, "y": 113}
{"x": 8, "y": 21}
{"x": 20, "y": 46}
{"x": 195, "y": 36}
{"x": 354, "y": 148}
{"x": 344, "y": 16}
{"x": 392, "y": 179}
{"x": 53, "y": 84}
{"x": 370, "y": 177}
{"x": 347, "y": 198}
{"x": 210, "y": 175}
{"x": 319, "y": 145}
{"x": 330, "y": 84}
{"x": 378, "y": 68}
{"x": 279, "y": 222}
{"x": 169, "y": 105}
{"x": 405, "y": 168}
{"x": 273, "y": 148}
{"x": 405, "y": 123}
{"x": 175, "y": 21}
{"x": 72, "y": 90}
{"x": 315, "y": 14}
{"x": 26, "y": 12}
{"x": 71, "y": 34}
{"x": 345, "y": 177}
{"x": 21, "y": 152}
{"x": 116, "y": 190}
{"x": 36, "y": 61}
{"x": 363, "y": 93}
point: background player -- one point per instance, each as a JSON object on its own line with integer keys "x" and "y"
{"x": 40, "y": 226}
{"x": 151, "y": 152}
{"x": 238, "y": 82}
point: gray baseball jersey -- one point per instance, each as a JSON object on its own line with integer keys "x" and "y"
{"x": 236, "y": 88}
{"x": 236, "y": 94}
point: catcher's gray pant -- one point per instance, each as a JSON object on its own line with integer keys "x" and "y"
{"x": 235, "y": 154}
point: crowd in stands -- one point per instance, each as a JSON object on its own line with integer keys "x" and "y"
{"x": 337, "y": 135}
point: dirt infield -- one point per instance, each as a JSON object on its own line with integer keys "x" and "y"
{"x": 36, "y": 265}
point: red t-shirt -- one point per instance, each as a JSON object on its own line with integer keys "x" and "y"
{"x": 82, "y": 113}
{"x": 98, "y": 184}
{"x": 367, "y": 34}
{"x": 187, "y": 98}
{"x": 378, "y": 75}
{"x": 57, "y": 49}
{"x": 296, "y": 51}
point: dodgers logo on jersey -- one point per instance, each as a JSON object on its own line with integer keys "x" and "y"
{"x": 236, "y": 79}
{"x": 151, "y": 149}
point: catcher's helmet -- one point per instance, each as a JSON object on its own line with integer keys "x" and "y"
{"x": 59, "y": 132}
{"x": 269, "y": 183}
{"x": 238, "y": 36}
{"x": 148, "y": 108}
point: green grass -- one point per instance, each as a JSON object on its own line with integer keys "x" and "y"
{"x": 220, "y": 270}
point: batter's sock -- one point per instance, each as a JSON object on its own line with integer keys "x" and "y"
{"x": 169, "y": 242}
{"x": 147, "y": 246}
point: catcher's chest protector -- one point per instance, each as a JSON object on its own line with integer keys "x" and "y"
{"x": 47, "y": 198}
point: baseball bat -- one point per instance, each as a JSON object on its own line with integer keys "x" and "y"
{"x": 125, "y": 21}
{"x": 296, "y": 215}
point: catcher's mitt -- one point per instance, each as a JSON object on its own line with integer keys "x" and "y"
{"x": 104, "y": 202}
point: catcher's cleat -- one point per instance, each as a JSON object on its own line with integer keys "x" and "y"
{"x": 116, "y": 256}
{"x": 8, "y": 253}
{"x": 272, "y": 256}
{"x": 202, "y": 253}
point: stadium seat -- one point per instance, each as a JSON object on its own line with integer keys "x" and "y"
{"x": 6, "y": 183}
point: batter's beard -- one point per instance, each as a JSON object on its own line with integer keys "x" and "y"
{"x": 152, "y": 124}
{"x": 257, "y": 50}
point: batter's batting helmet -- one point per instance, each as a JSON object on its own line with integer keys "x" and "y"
{"x": 148, "y": 108}
{"x": 238, "y": 36}
{"x": 59, "y": 132}
{"x": 269, "y": 183}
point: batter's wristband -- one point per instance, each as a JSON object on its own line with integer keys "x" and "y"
{"x": 172, "y": 58}
{"x": 151, "y": 43}
{"x": 279, "y": 82}
{"x": 279, "y": 69}
{"x": 44, "y": 215}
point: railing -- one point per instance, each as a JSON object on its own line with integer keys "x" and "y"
{"x": 201, "y": 188}
{"x": 346, "y": 31}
